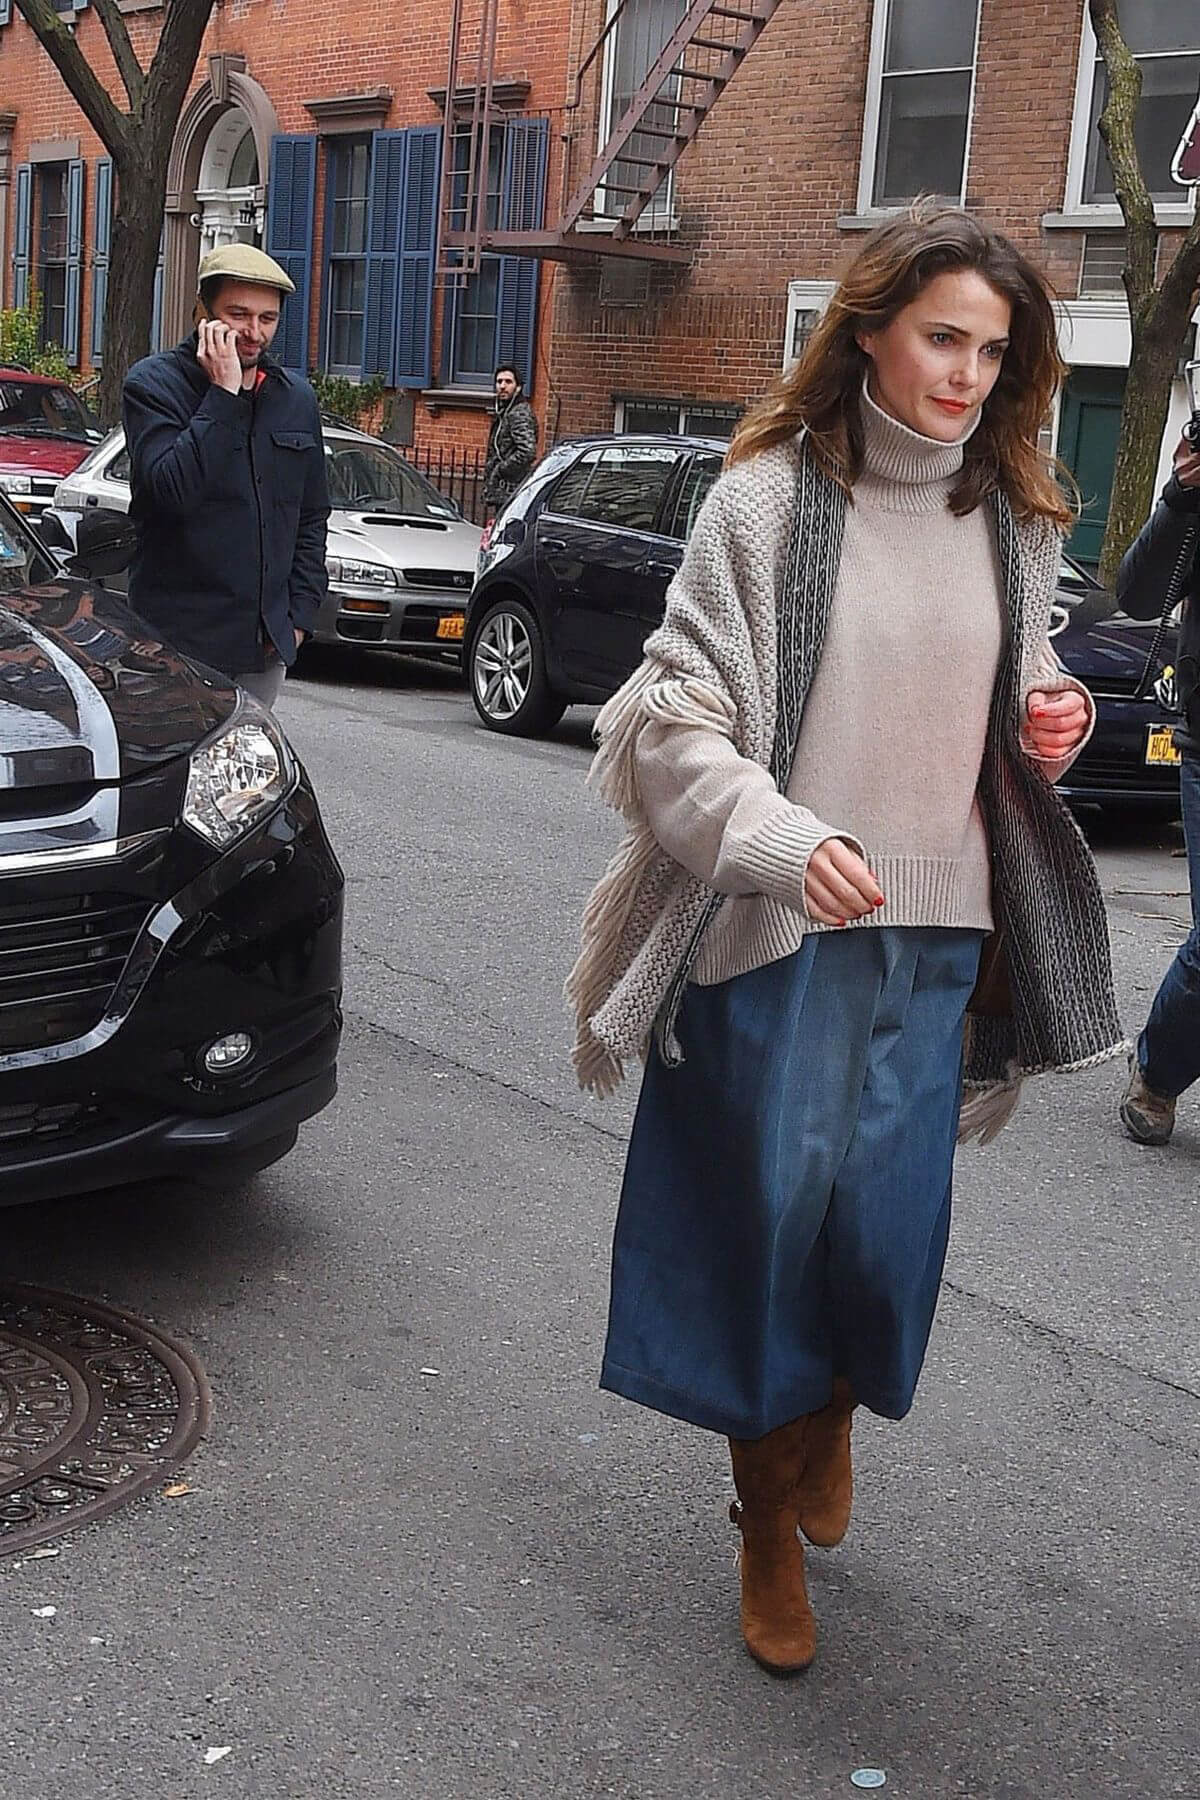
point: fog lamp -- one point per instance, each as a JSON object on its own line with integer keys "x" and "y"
{"x": 227, "y": 1053}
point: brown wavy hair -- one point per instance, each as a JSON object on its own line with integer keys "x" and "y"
{"x": 821, "y": 391}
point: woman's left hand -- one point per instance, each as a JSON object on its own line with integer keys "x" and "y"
{"x": 1056, "y": 722}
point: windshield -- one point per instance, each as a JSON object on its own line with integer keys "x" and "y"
{"x": 372, "y": 478}
{"x": 43, "y": 409}
{"x": 23, "y": 563}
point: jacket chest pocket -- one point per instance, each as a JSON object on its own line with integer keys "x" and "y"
{"x": 290, "y": 451}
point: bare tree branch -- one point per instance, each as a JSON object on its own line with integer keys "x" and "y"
{"x": 113, "y": 126}
{"x": 170, "y": 72}
{"x": 117, "y": 32}
{"x": 1117, "y": 123}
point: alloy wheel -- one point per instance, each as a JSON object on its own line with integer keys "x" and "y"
{"x": 502, "y": 666}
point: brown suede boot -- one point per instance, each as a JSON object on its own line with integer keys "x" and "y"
{"x": 827, "y": 1487}
{"x": 777, "y": 1620}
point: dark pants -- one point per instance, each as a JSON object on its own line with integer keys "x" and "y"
{"x": 1169, "y": 1047}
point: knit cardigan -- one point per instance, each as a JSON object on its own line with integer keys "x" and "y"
{"x": 736, "y": 652}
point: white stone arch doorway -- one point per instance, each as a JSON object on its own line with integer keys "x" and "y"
{"x": 230, "y": 192}
{"x": 216, "y": 180}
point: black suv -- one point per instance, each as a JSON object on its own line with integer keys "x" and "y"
{"x": 574, "y": 574}
{"x": 170, "y": 908}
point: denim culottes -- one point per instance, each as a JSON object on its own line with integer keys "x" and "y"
{"x": 786, "y": 1203}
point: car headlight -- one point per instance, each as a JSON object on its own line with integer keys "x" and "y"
{"x": 16, "y": 484}
{"x": 236, "y": 779}
{"x": 360, "y": 574}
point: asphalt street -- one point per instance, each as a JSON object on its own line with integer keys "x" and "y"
{"x": 423, "y": 1555}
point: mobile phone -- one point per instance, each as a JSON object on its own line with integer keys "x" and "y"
{"x": 1191, "y": 374}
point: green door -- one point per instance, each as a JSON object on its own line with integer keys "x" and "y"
{"x": 1088, "y": 425}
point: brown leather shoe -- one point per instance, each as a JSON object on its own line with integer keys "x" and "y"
{"x": 1149, "y": 1118}
{"x": 827, "y": 1486}
{"x": 777, "y": 1621}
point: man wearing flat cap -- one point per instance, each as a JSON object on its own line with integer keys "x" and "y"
{"x": 227, "y": 469}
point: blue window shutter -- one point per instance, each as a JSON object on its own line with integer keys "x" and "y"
{"x": 101, "y": 245}
{"x": 418, "y": 246}
{"x": 384, "y": 219}
{"x": 523, "y": 205}
{"x": 22, "y": 231}
{"x": 74, "y": 291}
{"x": 5, "y": 12}
{"x": 290, "y": 239}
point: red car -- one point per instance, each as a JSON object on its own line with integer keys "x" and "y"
{"x": 45, "y": 433}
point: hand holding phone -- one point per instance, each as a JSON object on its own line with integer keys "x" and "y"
{"x": 216, "y": 352}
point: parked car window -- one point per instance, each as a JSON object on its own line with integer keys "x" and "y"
{"x": 43, "y": 407}
{"x": 22, "y": 562}
{"x": 118, "y": 468}
{"x": 370, "y": 477}
{"x": 702, "y": 472}
{"x": 567, "y": 497}
{"x": 627, "y": 485}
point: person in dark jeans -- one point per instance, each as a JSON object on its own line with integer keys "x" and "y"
{"x": 1167, "y": 1058}
{"x": 512, "y": 442}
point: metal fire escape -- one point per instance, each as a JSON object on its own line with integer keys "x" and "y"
{"x": 640, "y": 95}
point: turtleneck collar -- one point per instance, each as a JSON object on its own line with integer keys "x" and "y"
{"x": 903, "y": 470}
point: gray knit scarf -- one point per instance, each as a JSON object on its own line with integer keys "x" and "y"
{"x": 647, "y": 917}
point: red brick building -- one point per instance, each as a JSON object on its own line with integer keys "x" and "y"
{"x": 320, "y": 134}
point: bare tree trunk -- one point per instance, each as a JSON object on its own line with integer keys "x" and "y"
{"x": 1152, "y": 363}
{"x": 139, "y": 142}
{"x": 1159, "y": 315}
{"x": 132, "y": 261}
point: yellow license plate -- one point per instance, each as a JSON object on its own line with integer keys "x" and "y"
{"x": 1160, "y": 745}
{"x": 452, "y": 625}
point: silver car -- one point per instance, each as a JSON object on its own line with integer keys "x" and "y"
{"x": 401, "y": 557}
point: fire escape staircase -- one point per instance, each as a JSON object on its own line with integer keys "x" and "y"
{"x": 608, "y": 210}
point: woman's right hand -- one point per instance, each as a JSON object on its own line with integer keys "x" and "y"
{"x": 838, "y": 885}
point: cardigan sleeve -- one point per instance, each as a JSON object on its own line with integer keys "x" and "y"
{"x": 1047, "y": 673}
{"x": 723, "y": 818}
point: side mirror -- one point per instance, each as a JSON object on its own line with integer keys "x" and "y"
{"x": 105, "y": 541}
{"x": 54, "y": 533}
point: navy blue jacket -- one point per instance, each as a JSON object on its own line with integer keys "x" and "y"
{"x": 230, "y": 504}
{"x": 1169, "y": 538}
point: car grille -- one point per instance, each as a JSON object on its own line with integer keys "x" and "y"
{"x": 456, "y": 581}
{"x": 59, "y": 963}
{"x": 43, "y": 1122}
{"x": 41, "y": 494}
{"x": 1115, "y": 687}
{"x": 1096, "y": 769}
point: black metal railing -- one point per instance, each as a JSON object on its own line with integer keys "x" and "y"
{"x": 455, "y": 472}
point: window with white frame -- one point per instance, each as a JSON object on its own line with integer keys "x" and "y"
{"x": 1164, "y": 36}
{"x": 643, "y": 29}
{"x": 807, "y": 300}
{"x": 645, "y": 416}
{"x": 919, "y": 94}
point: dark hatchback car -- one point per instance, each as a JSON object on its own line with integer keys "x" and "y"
{"x": 574, "y": 574}
{"x": 170, "y": 907}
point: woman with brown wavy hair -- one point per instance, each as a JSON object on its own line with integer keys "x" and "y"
{"x": 836, "y": 764}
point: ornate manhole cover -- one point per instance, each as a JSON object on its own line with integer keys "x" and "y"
{"x": 95, "y": 1407}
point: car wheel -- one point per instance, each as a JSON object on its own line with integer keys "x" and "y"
{"x": 507, "y": 669}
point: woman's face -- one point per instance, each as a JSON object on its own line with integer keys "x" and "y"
{"x": 936, "y": 363}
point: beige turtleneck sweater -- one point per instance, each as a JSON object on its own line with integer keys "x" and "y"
{"x": 892, "y": 737}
